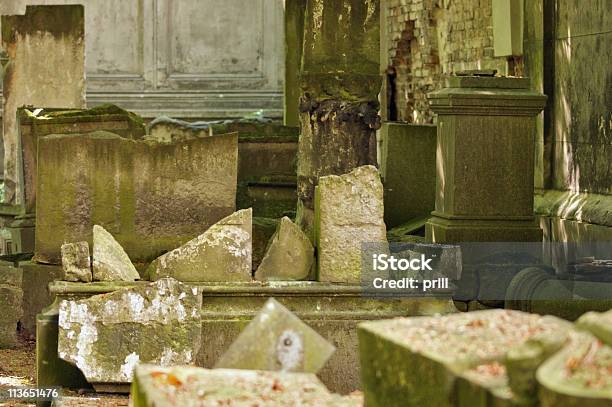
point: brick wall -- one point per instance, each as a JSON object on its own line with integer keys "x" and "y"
{"x": 430, "y": 38}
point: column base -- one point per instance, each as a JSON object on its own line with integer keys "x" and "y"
{"x": 442, "y": 230}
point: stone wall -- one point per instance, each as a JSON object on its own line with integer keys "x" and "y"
{"x": 426, "y": 39}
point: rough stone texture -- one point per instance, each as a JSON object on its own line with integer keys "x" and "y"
{"x": 263, "y": 230}
{"x": 457, "y": 360}
{"x": 190, "y": 387}
{"x": 289, "y": 255}
{"x": 339, "y": 81}
{"x": 110, "y": 262}
{"x": 423, "y": 40}
{"x": 46, "y": 49}
{"x": 36, "y": 296}
{"x": 277, "y": 340}
{"x": 76, "y": 262}
{"x": 106, "y": 336}
{"x": 485, "y": 199}
{"x": 11, "y": 295}
{"x": 349, "y": 212}
{"x": 153, "y": 197}
{"x": 58, "y": 121}
{"x": 222, "y": 253}
{"x": 408, "y": 170}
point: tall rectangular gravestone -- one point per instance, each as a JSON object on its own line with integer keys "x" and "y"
{"x": 46, "y": 50}
{"x": 152, "y": 197}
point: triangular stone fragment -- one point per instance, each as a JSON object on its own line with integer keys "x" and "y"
{"x": 277, "y": 340}
{"x": 289, "y": 256}
{"x": 110, "y": 261}
{"x": 107, "y": 335}
{"x": 76, "y": 262}
{"x": 222, "y": 253}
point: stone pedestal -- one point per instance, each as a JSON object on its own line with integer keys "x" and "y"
{"x": 340, "y": 81}
{"x": 485, "y": 160}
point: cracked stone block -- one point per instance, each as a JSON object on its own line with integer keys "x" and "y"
{"x": 348, "y": 213}
{"x": 110, "y": 261}
{"x": 192, "y": 386}
{"x": 11, "y": 295}
{"x": 277, "y": 340}
{"x": 76, "y": 262}
{"x": 578, "y": 375}
{"x": 223, "y": 253}
{"x": 107, "y": 335}
{"x": 289, "y": 256}
{"x": 455, "y": 360}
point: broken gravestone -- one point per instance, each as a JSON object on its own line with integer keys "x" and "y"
{"x": 192, "y": 386}
{"x": 11, "y": 295}
{"x": 110, "y": 261}
{"x": 106, "y": 335}
{"x": 348, "y": 213}
{"x": 277, "y": 340}
{"x": 76, "y": 262}
{"x": 456, "y": 360}
{"x": 289, "y": 255}
{"x": 222, "y": 253}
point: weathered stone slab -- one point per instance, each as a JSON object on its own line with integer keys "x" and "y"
{"x": 191, "y": 386}
{"x": 11, "y": 295}
{"x": 263, "y": 230}
{"x": 59, "y": 121}
{"x": 456, "y": 360}
{"x": 277, "y": 340}
{"x": 222, "y": 253}
{"x": 349, "y": 212}
{"x": 107, "y": 335}
{"x": 578, "y": 375}
{"x": 46, "y": 48}
{"x": 76, "y": 262}
{"x": 153, "y": 197}
{"x": 289, "y": 256}
{"x": 110, "y": 261}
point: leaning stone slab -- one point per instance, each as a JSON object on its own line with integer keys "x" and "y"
{"x": 289, "y": 256}
{"x": 191, "y": 386}
{"x": 110, "y": 261}
{"x": 456, "y": 360}
{"x": 277, "y": 340}
{"x": 76, "y": 262}
{"x": 348, "y": 212}
{"x": 578, "y": 375}
{"x": 11, "y": 296}
{"x": 107, "y": 335}
{"x": 153, "y": 196}
{"x": 222, "y": 253}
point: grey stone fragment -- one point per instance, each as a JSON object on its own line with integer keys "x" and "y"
{"x": 76, "y": 262}
{"x": 222, "y": 253}
{"x": 277, "y": 340}
{"x": 107, "y": 335}
{"x": 289, "y": 255}
{"x": 110, "y": 261}
{"x": 11, "y": 311}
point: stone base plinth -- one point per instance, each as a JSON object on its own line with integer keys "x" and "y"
{"x": 333, "y": 310}
{"x": 442, "y": 230}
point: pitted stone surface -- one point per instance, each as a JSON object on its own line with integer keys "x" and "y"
{"x": 277, "y": 340}
{"x": 190, "y": 386}
{"x": 76, "y": 262}
{"x": 107, "y": 335}
{"x": 110, "y": 261}
{"x": 222, "y": 253}
{"x": 11, "y": 295}
{"x": 348, "y": 212}
{"x": 289, "y": 255}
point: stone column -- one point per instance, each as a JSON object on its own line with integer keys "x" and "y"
{"x": 340, "y": 82}
{"x": 46, "y": 68}
{"x": 485, "y": 154}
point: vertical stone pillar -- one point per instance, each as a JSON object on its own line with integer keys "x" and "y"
{"x": 485, "y": 160}
{"x": 340, "y": 82}
{"x": 294, "y": 39}
{"x": 46, "y": 50}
